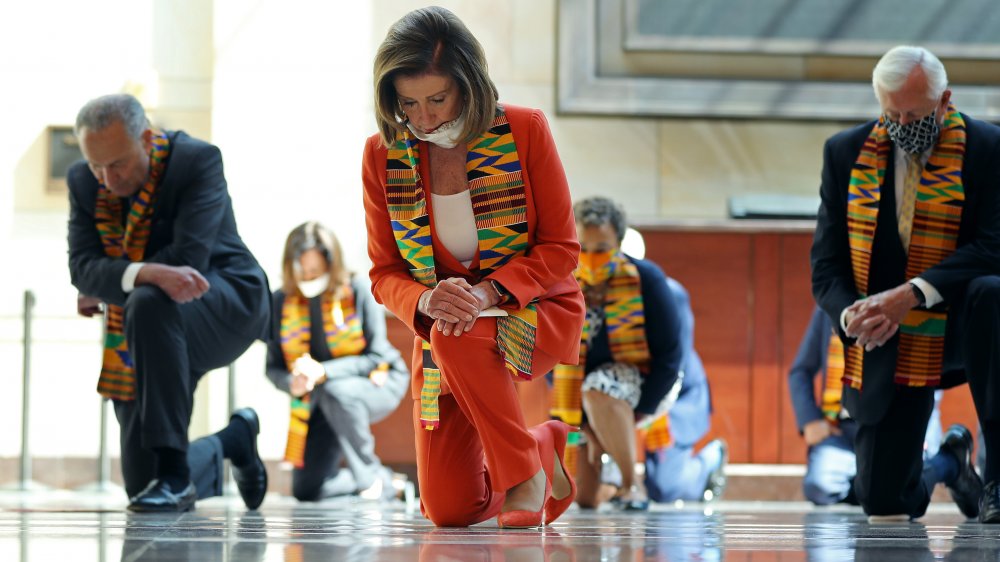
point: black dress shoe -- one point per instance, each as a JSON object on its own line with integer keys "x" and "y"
{"x": 967, "y": 489}
{"x": 989, "y": 506}
{"x": 251, "y": 478}
{"x": 159, "y": 498}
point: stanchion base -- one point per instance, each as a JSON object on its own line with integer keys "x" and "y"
{"x": 27, "y": 486}
{"x": 107, "y": 487}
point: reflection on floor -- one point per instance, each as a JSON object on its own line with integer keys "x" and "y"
{"x": 67, "y": 527}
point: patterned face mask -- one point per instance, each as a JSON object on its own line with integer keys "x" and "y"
{"x": 596, "y": 267}
{"x": 914, "y": 137}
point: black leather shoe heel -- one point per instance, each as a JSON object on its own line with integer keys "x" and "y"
{"x": 967, "y": 489}
{"x": 251, "y": 478}
{"x": 159, "y": 498}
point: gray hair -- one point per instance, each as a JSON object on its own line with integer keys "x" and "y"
{"x": 100, "y": 112}
{"x": 598, "y": 211}
{"x": 896, "y": 65}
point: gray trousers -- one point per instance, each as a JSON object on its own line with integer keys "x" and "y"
{"x": 340, "y": 432}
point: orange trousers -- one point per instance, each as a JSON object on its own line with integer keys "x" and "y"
{"x": 482, "y": 447}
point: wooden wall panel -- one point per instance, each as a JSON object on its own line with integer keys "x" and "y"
{"x": 796, "y": 309}
{"x": 765, "y": 374}
{"x": 394, "y": 441}
{"x": 715, "y": 269}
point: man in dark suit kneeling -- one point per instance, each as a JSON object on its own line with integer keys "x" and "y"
{"x": 905, "y": 262}
{"x": 152, "y": 236}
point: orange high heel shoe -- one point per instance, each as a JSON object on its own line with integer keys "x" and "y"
{"x": 522, "y": 518}
{"x": 551, "y": 437}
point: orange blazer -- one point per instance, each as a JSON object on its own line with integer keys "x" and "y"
{"x": 544, "y": 272}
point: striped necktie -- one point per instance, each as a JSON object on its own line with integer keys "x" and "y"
{"x": 914, "y": 167}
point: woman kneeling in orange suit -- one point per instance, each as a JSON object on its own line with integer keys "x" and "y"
{"x": 473, "y": 244}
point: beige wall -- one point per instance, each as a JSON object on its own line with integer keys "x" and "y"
{"x": 57, "y": 55}
{"x": 283, "y": 87}
{"x": 658, "y": 168}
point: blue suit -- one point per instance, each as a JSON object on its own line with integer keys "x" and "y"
{"x": 673, "y": 472}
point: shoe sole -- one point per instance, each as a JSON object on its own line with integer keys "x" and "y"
{"x": 150, "y": 509}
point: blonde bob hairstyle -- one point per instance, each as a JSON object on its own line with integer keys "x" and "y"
{"x": 313, "y": 236}
{"x": 433, "y": 40}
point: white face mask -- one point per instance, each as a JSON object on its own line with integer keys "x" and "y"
{"x": 315, "y": 287}
{"x": 445, "y": 136}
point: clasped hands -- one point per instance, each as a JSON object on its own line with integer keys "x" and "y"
{"x": 874, "y": 320}
{"x": 455, "y": 304}
{"x": 181, "y": 283}
{"x": 306, "y": 374}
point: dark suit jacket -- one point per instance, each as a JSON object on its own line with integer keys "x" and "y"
{"x": 192, "y": 224}
{"x": 978, "y": 252}
{"x": 663, "y": 335}
{"x": 810, "y": 361}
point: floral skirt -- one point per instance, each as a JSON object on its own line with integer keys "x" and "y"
{"x": 618, "y": 380}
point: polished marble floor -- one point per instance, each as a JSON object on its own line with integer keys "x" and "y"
{"x": 77, "y": 527}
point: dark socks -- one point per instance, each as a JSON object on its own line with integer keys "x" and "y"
{"x": 991, "y": 440}
{"x": 236, "y": 439}
{"x": 172, "y": 468}
{"x": 851, "y": 498}
{"x": 944, "y": 467}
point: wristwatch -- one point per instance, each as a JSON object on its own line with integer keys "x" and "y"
{"x": 501, "y": 292}
{"x": 921, "y": 299}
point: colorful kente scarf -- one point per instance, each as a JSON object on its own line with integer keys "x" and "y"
{"x": 833, "y": 388}
{"x": 658, "y": 433}
{"x": 344, "y": 336}
{"x": 117, "y": 380}
{"x": 625, "y": 322}
{"x": 499, "y": 202}
{"x": 937, "y": 215}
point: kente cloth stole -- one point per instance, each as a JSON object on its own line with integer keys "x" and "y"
{"x": 937, "y": 215}
{"x": 117, "y": 380}
{"x": 625, "y": 322}
{"x": 833, "y": 388}
{"x": 344, "y": 336}
{"x": 658, "y": 433}
{"x": 499, "y": 202}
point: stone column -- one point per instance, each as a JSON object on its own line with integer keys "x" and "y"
{"x": 184, "y": 61}
{"x": 181, "y": 98}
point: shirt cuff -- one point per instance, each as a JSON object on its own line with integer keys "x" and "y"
{"x": 931, "y": 295}
{"x": 128, "y": 278}
{"x": 843, "y": 320}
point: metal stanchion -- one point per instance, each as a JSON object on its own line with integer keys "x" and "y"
{"x": 229, "y": 485}
{"x": 103, "y": 461}
{"x": 103, "y": 483}
{"x": 231, "y": 389}
{"x": 29, "y": 308}
{"x": 24, "y": 538}
{"x": 26, "y": 484}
